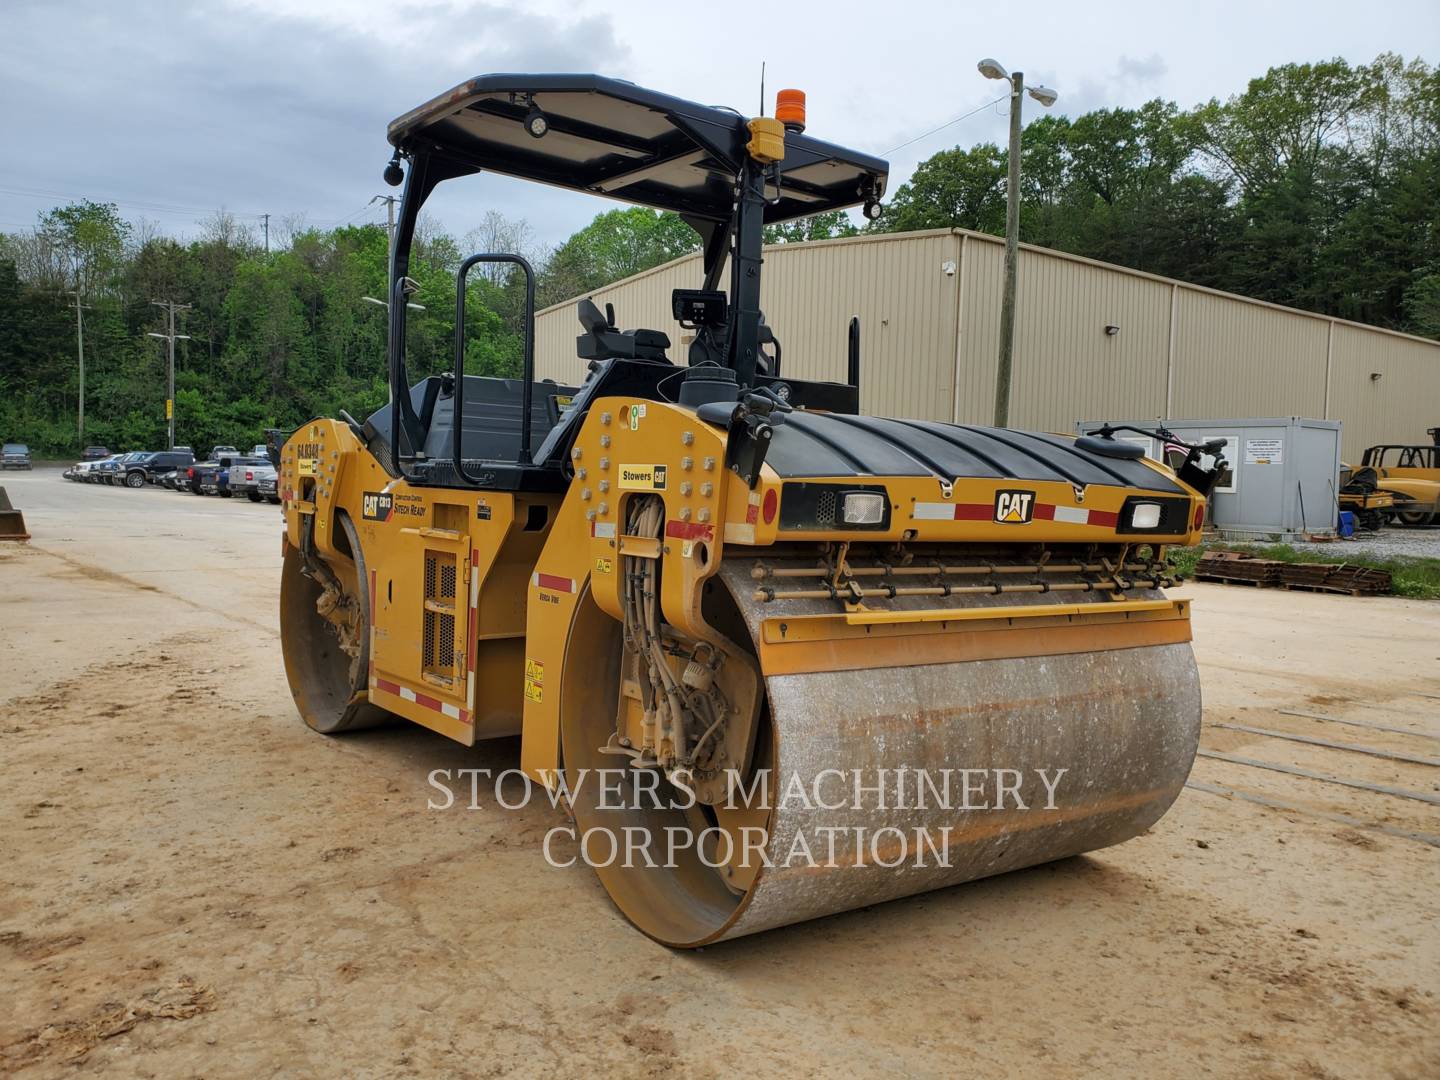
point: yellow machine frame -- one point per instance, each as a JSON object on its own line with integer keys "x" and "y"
{"x": 474, "y": 596}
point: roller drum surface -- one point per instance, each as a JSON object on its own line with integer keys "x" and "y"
{"x": 1123, "y": 724}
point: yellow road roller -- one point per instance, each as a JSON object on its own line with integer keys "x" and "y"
{"x": 917, "y": 653}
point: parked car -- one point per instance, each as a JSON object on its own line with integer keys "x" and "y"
{"x": 144, "y": 468}
{"x": 245, "y": 475}
{"x": 15, "y": 455}
{"x": 269, "y": 487}
{"x": 223, "y": 451}
{"x": 175, "y": 479}
{"x": 112, "y": 468}
{"x": 198, "y": 473}
{"x": 98, "y": 468}
{"x": 213, "y": 478}
{"x": 94, "y": 453}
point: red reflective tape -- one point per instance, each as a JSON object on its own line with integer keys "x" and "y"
{"x": 1105, "y": 518}
{"x": 555, "y": 584}
{"x": 428, "y": 702}
{"x": 689, "y": 530}
{"x": 1044, "y": 512}
{"x": 974, "y": 512}
{"x": 388, "y": 686}
{"x": 752, "y": 514}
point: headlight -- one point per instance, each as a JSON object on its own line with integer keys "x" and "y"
{"x": 864, "y": 508}
{"x": 1145, "y": 515}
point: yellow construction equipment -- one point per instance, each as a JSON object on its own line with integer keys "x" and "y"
{"x": 1410, "y": 474}
{"x": 1361, "y": 495}
{"x": 792, "y": 626}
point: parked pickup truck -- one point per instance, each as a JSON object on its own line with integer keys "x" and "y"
{"x": 145, "y": 468}
{"x": 206, "y": 478}
{"x": 15, "y": 455}
{"x": 246, "y": 474}
{"x": 105, "y": 471}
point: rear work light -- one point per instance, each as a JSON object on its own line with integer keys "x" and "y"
{"x": 1145, "y": 515}
{"x": 865, "y": 508}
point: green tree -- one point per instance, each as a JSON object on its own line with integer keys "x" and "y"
{"x": 955, "y": 189}
{"x": 617, "y": 244}
{"x": 826, "y": 226}
{"x": 93, "y": 235}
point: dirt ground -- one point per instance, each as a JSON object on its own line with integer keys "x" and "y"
{"x": 193, "y": 884}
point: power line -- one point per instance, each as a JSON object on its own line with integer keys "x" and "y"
{"x": 42, "y": 194}
{"x": 154, "y": 208}
{"x": 948, "y": 123}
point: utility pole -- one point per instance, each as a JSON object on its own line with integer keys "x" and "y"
{"x": 992, "y": 69}
{"x": 80, "y": 355}
{"x": 170, "y": 338}
{"x": 389, "y": 201}
{"x": 265, "y": 220}
{"x": 1012, "y": 257}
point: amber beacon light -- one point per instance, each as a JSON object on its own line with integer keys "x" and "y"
{"x": 790, "y": 109}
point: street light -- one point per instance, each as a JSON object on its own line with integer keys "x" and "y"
{"x": 993, "y": 69}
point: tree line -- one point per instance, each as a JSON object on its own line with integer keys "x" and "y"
{"x": 1316, "y": 187}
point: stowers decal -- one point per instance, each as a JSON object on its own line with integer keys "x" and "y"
{"x": 1014, "y": 507}
{"x": 642, "y": 477}
{"x": 377, "y": 505}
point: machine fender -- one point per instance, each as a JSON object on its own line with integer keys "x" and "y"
{"x": 558, "y": 589}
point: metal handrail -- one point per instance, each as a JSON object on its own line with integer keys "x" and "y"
{"x": 527, "y": 389}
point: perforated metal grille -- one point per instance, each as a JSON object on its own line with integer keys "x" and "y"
{"x": 825, "y": 509}
{"x": 438, "y": 647}
{"x": 445, "y": 658}
{"x": 428, "y": 650}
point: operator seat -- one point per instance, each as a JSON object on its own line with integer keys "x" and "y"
{"x": 603, "y": 341}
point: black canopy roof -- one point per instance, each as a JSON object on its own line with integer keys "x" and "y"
{"x": 610, "y": 137}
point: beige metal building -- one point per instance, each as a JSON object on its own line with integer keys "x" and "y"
{"x": 929, "y": 307}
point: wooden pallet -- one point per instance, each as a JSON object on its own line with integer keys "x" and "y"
{"x": 1237, "y": 568}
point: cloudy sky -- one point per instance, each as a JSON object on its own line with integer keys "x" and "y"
{"x": 174, "y": 109}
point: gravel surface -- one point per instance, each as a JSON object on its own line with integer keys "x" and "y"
{"x": 1386, "y": 544}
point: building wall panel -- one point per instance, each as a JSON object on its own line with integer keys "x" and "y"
{"x": 1397, "y": 407}
{"x": 929, "y": 339}
{"x": 1235, "y": 358}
